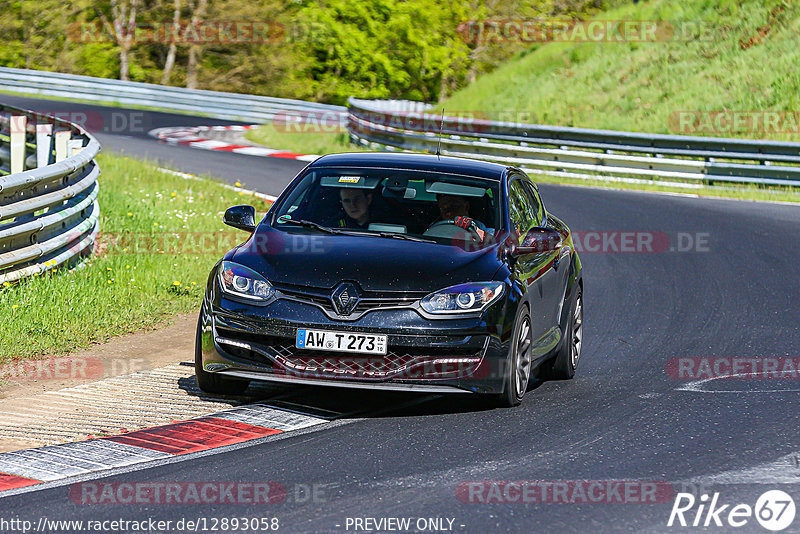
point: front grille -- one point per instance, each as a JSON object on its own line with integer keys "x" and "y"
{"x": 368, "y": 300}
{"x": 400, "y": 362}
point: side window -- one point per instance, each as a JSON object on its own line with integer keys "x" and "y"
{"x": 520, "y": 210}
{"x": 536, "y": 204}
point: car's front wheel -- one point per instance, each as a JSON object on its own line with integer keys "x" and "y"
{"x": 212, "y": 382}
{"x": 518, "y": 364}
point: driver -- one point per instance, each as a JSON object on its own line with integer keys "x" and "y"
{"x": 456, "y": 208}
{"x": 356, "y": 204}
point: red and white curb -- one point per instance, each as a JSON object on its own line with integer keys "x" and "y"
{"x": 21, "y": 469}
{"x": 197, "y": 137}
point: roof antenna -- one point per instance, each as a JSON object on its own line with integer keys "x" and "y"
{"x": 439, "y": 144}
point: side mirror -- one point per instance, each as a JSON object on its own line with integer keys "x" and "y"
{"x": 538, "y": 240}
{"x": 241, "y": 217}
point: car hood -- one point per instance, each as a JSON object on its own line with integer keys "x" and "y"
{"x": 375, "y": 263}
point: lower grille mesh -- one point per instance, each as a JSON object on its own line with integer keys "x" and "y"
{"x": 401, "y": 362}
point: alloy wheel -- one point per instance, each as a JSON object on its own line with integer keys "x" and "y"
{"x": 523, "y": 356}
{"x": 577, "y": 331}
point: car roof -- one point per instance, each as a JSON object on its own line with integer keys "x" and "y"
{"x": 411, "y": 161}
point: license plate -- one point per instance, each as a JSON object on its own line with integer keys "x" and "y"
{"x": 341, "y": 341}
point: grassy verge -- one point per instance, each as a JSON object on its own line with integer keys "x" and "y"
{"x": 725, "y": 56}
{"x": 160, "y": 236}
{"x": 302, "y": 142}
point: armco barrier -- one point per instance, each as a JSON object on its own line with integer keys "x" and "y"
{"x": 48, "y": 193}
{"x": 577, "y": 151}
{"x": 233, "y": 106}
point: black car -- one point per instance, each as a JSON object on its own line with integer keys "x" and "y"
{"x": 396, "y": 271}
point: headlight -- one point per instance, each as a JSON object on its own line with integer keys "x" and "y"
{"x": 463, "y": 298}
{"x": 244, "y": 282}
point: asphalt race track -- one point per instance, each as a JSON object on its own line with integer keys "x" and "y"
{"x": 624, "y": 417}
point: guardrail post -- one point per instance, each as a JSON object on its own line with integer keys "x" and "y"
{"x": 58, "y": 217}
{"x": 17, "y": 128}
{"x": 61, "y": 145}
{"x": 43, "y": 142}
{"x": 74, "y": 146}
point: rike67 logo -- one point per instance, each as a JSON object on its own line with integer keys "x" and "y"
{"x": 774, "y": 510}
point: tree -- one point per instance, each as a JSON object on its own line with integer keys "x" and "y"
{"x": 198, "y": 8}
{"x": 384, "y": 49}
{"x": 123, "y": 26}
{"x": 173, "y": 45}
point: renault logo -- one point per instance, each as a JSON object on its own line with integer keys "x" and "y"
{"x": 345, "y": 298}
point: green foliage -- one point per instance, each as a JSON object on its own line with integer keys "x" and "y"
{"x": 12, "y": 54}
{"x": 383, "y": 49}
{"x": 328, "y": 50}
{"x": 96, "y": 59}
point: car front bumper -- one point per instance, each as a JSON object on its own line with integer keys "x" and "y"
{"x": 464, "y": 355}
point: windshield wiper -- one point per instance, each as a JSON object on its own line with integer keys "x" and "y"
{"x": 405, "y": 236}
{"x": 310, "y": 224}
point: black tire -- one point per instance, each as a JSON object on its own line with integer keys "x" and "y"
{"x": 566, "y": 360}
{"x": 212, "y": 382}
{"x": 517, "y": 375}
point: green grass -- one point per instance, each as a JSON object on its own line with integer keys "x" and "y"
{"x": 160, "y": 236}
{"x": 302, "y": 142}
{"x": 641, "y": 86}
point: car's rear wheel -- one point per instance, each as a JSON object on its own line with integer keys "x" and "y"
{"x": 566, "y": 360}
{"x": 212, "y": 382}
{"x": 518, "y": 365}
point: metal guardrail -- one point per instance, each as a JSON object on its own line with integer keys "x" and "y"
{"x": 234, "y": 106}
{"x": 48, "y": 193}
{"x": 580, "y": 152}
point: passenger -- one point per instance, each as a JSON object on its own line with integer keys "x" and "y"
{"x": 356, "y": 204}
{"x": 456, "y": 208}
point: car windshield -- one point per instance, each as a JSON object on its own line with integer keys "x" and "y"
{"x": 394, "y": 203}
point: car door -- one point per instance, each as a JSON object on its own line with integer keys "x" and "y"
{"x": 560, "y": 268}
{"x": 534, "y": 271}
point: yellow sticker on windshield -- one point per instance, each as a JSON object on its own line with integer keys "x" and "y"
{"x": 349, "y": 179}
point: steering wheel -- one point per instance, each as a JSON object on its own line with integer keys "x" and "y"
{"x": 449, "y": 229}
